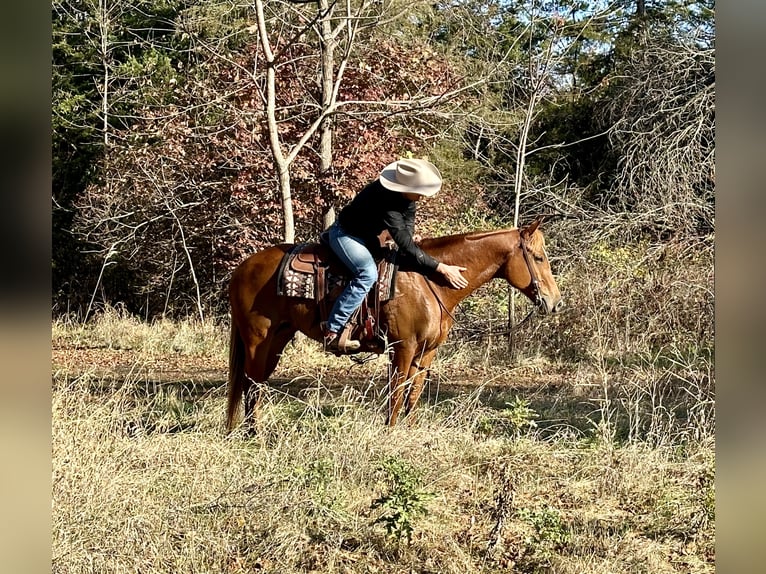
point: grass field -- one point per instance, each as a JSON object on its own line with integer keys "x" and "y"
{"x": 523, "y": 468}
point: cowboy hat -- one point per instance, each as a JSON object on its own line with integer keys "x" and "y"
{"x": 412, "y": 176}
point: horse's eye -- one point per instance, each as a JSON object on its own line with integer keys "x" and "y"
{"x": 539, "y": 259}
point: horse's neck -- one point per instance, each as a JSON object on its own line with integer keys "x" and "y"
{"x": 482, "y": 254}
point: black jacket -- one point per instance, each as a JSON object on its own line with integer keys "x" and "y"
{"x": 376, "y": 208}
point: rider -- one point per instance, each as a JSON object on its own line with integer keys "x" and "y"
{"x": 386, "y": 204}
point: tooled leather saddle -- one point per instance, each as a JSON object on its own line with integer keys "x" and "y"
{"x": 312, "y": 271}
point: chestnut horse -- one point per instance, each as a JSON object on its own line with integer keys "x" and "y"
{"x": 416, "y": 320}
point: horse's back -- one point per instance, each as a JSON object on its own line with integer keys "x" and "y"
{"x": 258, "y": 309}
{"x": 254, "y": 280}
{"x": 259, "y": 267}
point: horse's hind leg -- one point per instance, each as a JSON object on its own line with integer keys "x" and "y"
{"x": 254, "y": 392}
{"x": 256, "y": 338}
{"x": 282, "y": 335}
{"x": 263, "y": 359}
{"x": 253, "y": 388}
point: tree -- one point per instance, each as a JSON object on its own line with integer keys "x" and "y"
{"x": 543, "y": 50}
{"x": 166, "y": 125}
{"x": 330, "y": 28}
{"x": 92, "y": 41}
{"x": 191, "y": 187}
{"x": 661, "y": 113}
{"x": 334, "y": 31}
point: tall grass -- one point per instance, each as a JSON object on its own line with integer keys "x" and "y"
{"x": 590, "y": 449}
{"x": 148, "y": 482}
{"x": 636, "y": 339}
{"x": 114, "y": 328}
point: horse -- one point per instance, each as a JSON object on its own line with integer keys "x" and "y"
{"x": 416, "y": 320}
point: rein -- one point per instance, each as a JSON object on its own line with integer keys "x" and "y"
{"x": 438, "y": 300}
{"x": 536, "y": 299}
{"x": 524, "y": 320}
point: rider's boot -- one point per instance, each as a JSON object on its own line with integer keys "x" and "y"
{"x": 338, "y": 344}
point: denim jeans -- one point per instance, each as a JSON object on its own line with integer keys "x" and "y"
{"x": 353, "y": 253}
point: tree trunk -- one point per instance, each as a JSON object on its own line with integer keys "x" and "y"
{"x": 327, "y": 42}
{"x": 103, "y": 25}
{"x": 283, "y": 171}
{"x": 282, "y": 164}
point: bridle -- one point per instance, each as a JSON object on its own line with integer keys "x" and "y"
{"x": 536, "y": 298}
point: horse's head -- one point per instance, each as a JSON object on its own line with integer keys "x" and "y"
{"x": 530, "y": 271}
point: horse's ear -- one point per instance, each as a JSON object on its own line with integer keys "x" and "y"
{"x": 532, "y": 227}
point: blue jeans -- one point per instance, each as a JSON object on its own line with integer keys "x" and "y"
{"x": 354, "y": 255}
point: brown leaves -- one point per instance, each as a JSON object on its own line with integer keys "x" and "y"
{"x": 195, "y": 179}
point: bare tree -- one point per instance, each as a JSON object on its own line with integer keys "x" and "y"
{"x": 104, "y": 13}
{"x": 662, "y": 119}
{"x": 338, "y": 27}
{"x": 330, "y": 27}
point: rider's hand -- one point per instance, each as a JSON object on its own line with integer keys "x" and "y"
{"x": 453, "y": 274}
{"x": 385, "y": 239}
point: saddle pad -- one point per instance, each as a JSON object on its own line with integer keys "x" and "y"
{"x": 297, "y": 276}
{"x": 296, "y": 280}
{"x": 387, "y": 276}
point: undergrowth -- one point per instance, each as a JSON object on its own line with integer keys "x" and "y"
{"x": 586, "y": 446}
{"x": 146, "y": 481}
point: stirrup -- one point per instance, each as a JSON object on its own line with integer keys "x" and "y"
{"x": 338, "y": 346}
{"x": 340, "y": 343}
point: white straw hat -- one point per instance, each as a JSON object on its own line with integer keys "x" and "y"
{"x": 412, "y": 176}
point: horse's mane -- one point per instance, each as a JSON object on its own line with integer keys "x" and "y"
{"x": 449, "y": 240}
{"x": 437, "y": 245}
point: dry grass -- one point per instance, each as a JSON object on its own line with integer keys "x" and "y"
{"x": 146, "y": 481}
{"x": 114, "y": 328}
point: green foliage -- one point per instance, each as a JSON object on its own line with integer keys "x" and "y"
{"x": 316, "y": 478}
{"x": 404, "y": 502}
{"x": 551, "y": 532}
{"x": 152, "y": 72}
{"x": 514, "y": 419}
{"x": 519, "y": 414}
{"x": 223, "y": 23}
{"x": 586, "y": 160}
{"x": 622, "y": 261}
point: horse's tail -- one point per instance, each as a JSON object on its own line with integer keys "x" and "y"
{"x": 236, "y": 376}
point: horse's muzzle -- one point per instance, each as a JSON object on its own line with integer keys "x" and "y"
{"x": 545, "y": 307}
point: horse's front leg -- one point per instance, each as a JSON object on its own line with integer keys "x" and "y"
{"x": 419, "y": 372}
{"x": 398, "y": 379}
